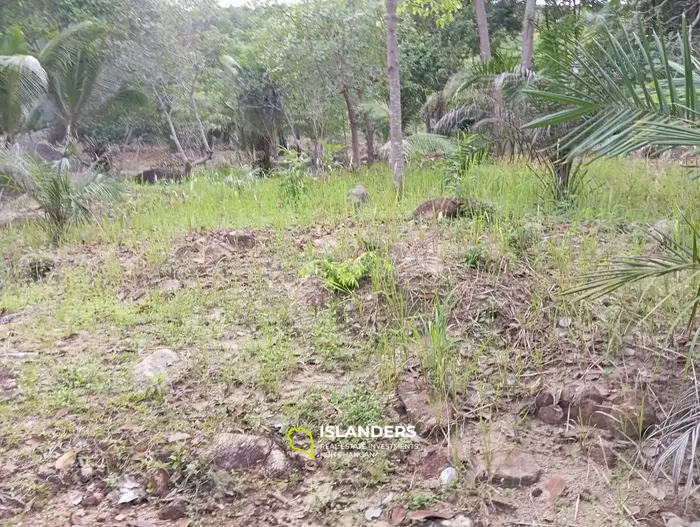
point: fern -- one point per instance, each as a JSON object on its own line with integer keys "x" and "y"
{"x": 343, "y": 277}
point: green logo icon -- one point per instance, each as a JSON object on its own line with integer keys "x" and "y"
{"x": 301, "y": 430}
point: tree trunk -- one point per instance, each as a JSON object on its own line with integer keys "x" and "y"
{"x": 396, "y": 133}
{"x": 526, "y": 60}
{"x": 483, "y": 27}
{"x": 369, "y": 138}
{"x": 354, "y": 128}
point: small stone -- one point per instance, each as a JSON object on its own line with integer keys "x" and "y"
{"x": 157, "y": 481}
{"x": 544, "y": 399}
{"x": 243, "y": 452}
{"x": 93, "y": 499}
{"x": 516, "y": 469}
{"x": 173, "y": 510}
{"x": 358, "y": 195}
{"x": 448, "y": 476}
{"x": 120, "y": 517}
{"x": 157, "y": 365}
{"x": 629, "y": 352}
{"x": 675, "y": 521}
{"x": 565, "y": 322}
{"x": 551, "y": 414}
{"x": 461, "y": 521}
{"x": 555, "y": 486}
{"x": 177, "y": 437}
{"x": 372, "y": 513}
{"x": 240, "y": 239}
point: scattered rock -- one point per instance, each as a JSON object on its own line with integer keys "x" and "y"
{"x": 313, "y": 293}
{"x": 555, "y": 486}
{"x": 675, "y": 521}
{"x": 372, "y": 513}
{"x": 628, "y": 352}
{"x": 240, "y": 239}
{"x": 157, "y": 481}
{"x": 544, "y": 399}
{"x": 551, "y": 414}
{"x": 448, "y": 475}
{"x": 173, "y": 510}
{"x": 157, "y": 364}
{"x": 66, "y": 461}
{"x": 130, "y": 491}
{"x": 430, "y": 462}
{"x": 515, "y": 469}
{"x": 178, "y": 436}
{"x": 458, "y": 521}
{"x": 564, "y": 322}
{"x": 243, "y": 452}
{"x": 438, "y": 208}
{"x": 412, "y": 400}
{"x": 358, "y": 195}
{"x": 92, "y": 499}
{"x": 169, "y": 286}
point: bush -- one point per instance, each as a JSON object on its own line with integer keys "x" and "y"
{"x": 477, "y": 258}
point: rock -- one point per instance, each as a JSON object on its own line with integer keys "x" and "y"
{"x": 243, "y": 452}
{"x": 551, "y": 414}
{"x": 448, "y": 475}
{"x": 515, "y": 469}
{"x": 358, "y": 195}
{"x": 240, "y": 239}
{"x": 428, "y": 417}
{"x": 544, "y": 399}
{"x": 130, "y": 491}
{"x": 86, "y": 472}
{"x": 694, "y": 524}
{"x": 555, "y": 486}
{"x": 169, "y": 286}
{"x": 458, "y": 521}
{"x": 173, "y": 510}
{"x": 438, "y": 208}
{"x": 178, "y": 436}
{"x": 157, "y": 481}
{"x": 430, "y": 462}
{"x": 313, "y": 293}
{"x": 629, "y": 352}
{"x": 157, "y": 364}
{"x": 372, "y": 513}
{"x": 92, "y": 499}
{"x": 675, "y": 521}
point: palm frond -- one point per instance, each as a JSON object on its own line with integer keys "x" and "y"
{"x": 422, "y": 144}
{"x": 378, "y": 110}
{"x": 630, "y": 95}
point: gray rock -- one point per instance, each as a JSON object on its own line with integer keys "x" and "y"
{"x": 358, "y": 195}
{"x": 458, "y": 521}
{"x": 675, "y": 521}
{"x": 694, "y": 524}
{"x": 551, "y": 414}
{"x": 158, "y": 364}
{"x": 515, "y": 469}
{"x": 243, "y": 452}
{"x": 173, "y": 510}
{"x": 448, "y": 475}
{"x": 372, "y": 513}
{"x": 240, "y": 239}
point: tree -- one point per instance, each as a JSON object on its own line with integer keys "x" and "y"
{"x": 529, "y": 34}
{"x": 483, "y": 25}
{"x": 396, "y": 133}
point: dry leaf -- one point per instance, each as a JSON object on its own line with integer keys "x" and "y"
{"x": 66, "y": 460}
{"x": 398, "y": 514}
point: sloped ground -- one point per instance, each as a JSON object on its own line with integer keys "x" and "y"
{"x": 538, "y": 403}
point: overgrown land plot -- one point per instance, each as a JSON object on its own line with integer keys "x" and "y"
{"x": 331, "y": 263}
{"x": 158, "y": 358}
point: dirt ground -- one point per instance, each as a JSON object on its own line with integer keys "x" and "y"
{"x": 542, "y": 410}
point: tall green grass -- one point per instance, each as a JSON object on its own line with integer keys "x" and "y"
{"x": 621, "y": 190}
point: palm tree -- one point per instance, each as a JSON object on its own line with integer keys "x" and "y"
{"x": 623, "y": 95}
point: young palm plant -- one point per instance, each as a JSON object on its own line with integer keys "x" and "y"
{"x": 63, "y": 203}
{"x": 630, "y": 92}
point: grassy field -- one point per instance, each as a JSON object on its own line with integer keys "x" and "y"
{"x": 467, "y": 309}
